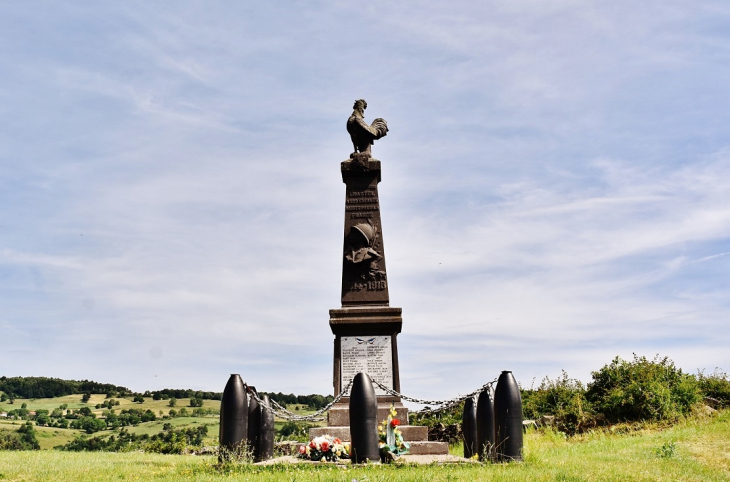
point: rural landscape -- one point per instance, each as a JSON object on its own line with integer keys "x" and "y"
{"x": 640, "y": 419}
{"x": 196, "y": 199}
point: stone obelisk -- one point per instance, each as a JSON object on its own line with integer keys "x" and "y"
{"x": 366, "y": 327}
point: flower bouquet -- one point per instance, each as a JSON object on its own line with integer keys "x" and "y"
{"x": 325, "y": 449}
{"x": 391, "y": 438}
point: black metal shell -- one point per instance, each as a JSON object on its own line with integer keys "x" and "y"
{"x": 469, "y": 427}
{"x": 266, "y": 435}
{"x": 234, "y": 414}
{"x": 485, "y": 424}
{"x": 508, "y": 418}
{"x": 363, "y": 421}
{"x": 254, "y": 425}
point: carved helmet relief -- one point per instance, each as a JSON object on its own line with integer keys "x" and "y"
{"x": 359, "y": 243}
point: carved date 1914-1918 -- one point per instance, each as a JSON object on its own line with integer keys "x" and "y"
{"x": 368, "y": 285}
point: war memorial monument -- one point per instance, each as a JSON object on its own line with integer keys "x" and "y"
{"x": 366, "y": 379}
{"x": 366, "y": 327}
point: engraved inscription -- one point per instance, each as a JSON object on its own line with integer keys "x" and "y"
{"x": 362, "y": 208}
{"x": 363, "y": 201}
{"x": 370, "y": 354}
{"x": 370, "y": 286}
{"x": 361, "y": 194}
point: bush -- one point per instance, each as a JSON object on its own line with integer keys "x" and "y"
{"x": 22, "y": 439}
{"x": 123, "y": 443}
{"x": 642, "y": 390}
{"x": 27, "y": 437}
{"x": 176, "y": 441}
{"x": 715, "y": 386}
{"x": 563, "y": 398}
{"x": 295, "y": 431}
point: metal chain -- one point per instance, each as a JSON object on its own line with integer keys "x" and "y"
{"x": 441, "y": 405}
{"x": 282, "y": 412}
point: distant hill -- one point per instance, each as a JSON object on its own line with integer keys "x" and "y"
{"x": 44, "y": 387}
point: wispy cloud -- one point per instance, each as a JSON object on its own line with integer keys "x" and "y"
{"x": 555, "y": 188}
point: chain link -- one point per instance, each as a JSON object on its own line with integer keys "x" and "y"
{"x": 441, "y": 405}
{"x": 282, "y": 412}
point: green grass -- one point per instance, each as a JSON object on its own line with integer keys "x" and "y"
{"x": 701, "y": 452}
{"x": 49, "y": 437}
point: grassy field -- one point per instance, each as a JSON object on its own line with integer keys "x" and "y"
{"x": 74, "y": 402}
{"x": 696, "y": 450}
{"x": 50, "y": 437}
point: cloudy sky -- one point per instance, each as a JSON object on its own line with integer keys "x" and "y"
{"x": 556, "y": 187}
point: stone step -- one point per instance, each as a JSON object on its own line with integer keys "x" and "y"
{"x": 411, "y": 433}
{"x": 339, "y": 415}
{"x": 429, "y": 448}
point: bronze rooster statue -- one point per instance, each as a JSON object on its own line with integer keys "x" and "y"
{"x": 362, "y": 134}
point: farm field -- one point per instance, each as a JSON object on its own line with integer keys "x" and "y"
{"x": 694, "y": 450}
{"x": 50, "y": 437}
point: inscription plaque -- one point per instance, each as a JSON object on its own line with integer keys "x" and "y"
{"x": 370, "y": 354}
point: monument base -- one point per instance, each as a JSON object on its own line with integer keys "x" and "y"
{"x": 366, "y": 341}
{"x": 338, "y": 426}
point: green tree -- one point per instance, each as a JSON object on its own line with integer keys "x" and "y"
{"x": 42, "y": 419}
{"x": 172, "y": 402}
{"x": 28, "y": 436}
{"x": 24, "y": 405}
{"x": 85, "y": 398}
{"x": 89, "y": 424}
{"x": 196, "y": 402}
{"x": 86, "y": 411}
{"x": 138, "y": 398}
{"x": 642, "y": 389}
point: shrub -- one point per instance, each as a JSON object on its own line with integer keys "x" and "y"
{"x": 123, "y": 443}
{"x": 642, "y": 390}
{"x": 715, "y": 386}
{"x": 295, "y": 431}
{"x": 27, "y": 437}
{"x": 563, "y": 398}
{"x": 22, "y": 439}
{"x": 176, "y": 441}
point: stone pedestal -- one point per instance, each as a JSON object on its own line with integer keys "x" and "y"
{"x": 366, "y": 340}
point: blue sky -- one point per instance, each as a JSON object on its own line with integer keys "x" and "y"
{"x": 556, "y": 187}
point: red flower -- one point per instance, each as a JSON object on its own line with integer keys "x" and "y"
{"x": 312, "y": 445}
{"x": 395, "y": 422}
{"x": 302, "y": 449}
{"x": 337, "y": 441}
{"x": 325, "y": 446}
